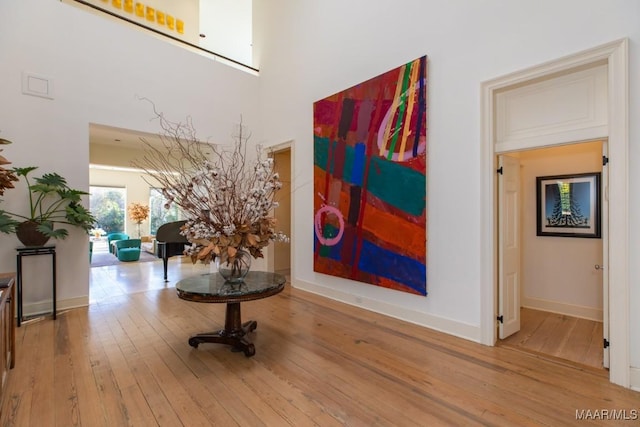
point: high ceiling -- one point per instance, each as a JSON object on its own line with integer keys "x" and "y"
{"x": 111, "y": 147}
{"x": 117, "y": 137}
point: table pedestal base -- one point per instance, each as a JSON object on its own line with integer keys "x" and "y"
{"x": 233, "y": 333}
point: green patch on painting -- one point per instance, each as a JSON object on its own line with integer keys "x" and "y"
{"x": 321, "y": 152}
{"x": 400, "y": 186}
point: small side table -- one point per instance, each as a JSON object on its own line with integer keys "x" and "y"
{"x": 213, "y": 288}
{"x": 31, "y": 251}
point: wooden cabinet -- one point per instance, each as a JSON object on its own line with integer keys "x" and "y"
{"x": 7, "y": 328}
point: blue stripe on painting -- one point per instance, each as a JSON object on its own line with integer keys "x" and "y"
{"x": 394, "y": 266}
{"x": 358, "y": 164}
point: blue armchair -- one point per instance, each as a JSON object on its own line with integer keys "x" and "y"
{"x": 112, "y": 237}
{"x": 128, "y": 250}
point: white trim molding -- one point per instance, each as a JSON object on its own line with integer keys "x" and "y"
{"x": 570, "y": 107}
{"x": 634, "y": 374}
{"x": 615, "y": 56}
{"x": 43, "y": 308}
{"x": 573, "y": 310}
{"x": 438, "y": 323}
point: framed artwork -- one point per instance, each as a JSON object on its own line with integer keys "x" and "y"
{"x": 569, "y": 205}
{"x": 370, "y": 144}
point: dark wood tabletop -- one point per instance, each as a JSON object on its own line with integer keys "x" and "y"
{"x": 212, "y": 287}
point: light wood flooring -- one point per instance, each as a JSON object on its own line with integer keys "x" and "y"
{"x": 125, "y": 361}
{"x": 564, "y": 337}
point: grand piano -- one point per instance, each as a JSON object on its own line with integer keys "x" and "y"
{"x": 169, "y": 242}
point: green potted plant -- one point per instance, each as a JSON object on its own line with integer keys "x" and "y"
{"x": 51, "y": 202}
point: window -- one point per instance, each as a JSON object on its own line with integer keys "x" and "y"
{"x": 158, "y": 214}
{"x": 107, "y": 204}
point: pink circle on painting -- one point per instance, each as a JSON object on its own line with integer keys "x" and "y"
{"x": 318, "y": 226}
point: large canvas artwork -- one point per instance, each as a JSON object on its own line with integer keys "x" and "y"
{"x": 370, "y": 146}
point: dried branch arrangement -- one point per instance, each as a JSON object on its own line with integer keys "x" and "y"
{"x": 226, "y": 198}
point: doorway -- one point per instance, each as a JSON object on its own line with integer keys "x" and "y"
{"x": 558, "y": 285}
{"x": 614, "y": 57}
{"x": 282, "y": 250}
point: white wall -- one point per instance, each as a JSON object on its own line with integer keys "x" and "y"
{"x": 98, "y": 68}
{"x": 558, "y": 273}
{"x": 228, "y": 28}
{"x": 338, "y": 44}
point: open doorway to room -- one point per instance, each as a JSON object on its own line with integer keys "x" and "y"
{"x": 282, "y": 250}
{"x": 111, "y": 152}
{"x": 579, "y": 97}
{"x": 557, "y": 275}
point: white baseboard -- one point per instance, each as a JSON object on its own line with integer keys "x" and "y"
{"x": 448, "y": 326}
{"x": 45, "y": 307}
{"x": 582, "y": 312}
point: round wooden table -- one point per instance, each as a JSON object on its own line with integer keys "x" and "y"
{"x": 212, "y": 288}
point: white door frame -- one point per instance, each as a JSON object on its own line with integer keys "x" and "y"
{"x": 615, "y": 55}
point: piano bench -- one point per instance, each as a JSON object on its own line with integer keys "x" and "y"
{"x": 129, "y": 254}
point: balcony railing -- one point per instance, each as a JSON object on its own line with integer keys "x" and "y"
{"x": 163, "y": 34}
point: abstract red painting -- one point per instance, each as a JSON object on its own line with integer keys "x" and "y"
{"x": 370, "y": 145}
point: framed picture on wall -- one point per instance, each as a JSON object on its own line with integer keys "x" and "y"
{"x": 569, "y": 205}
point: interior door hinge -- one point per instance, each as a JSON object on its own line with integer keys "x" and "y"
{"x": 605, "y": 160}
{"x": 606, "y": 343}
{"x": 500, "y": 319}
{"x": 499, "y": 170}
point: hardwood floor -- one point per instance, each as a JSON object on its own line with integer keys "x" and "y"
{"x": 565, "y": 337}
{"x": 109, "y": 282}
{"x": 125, "y": 361}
